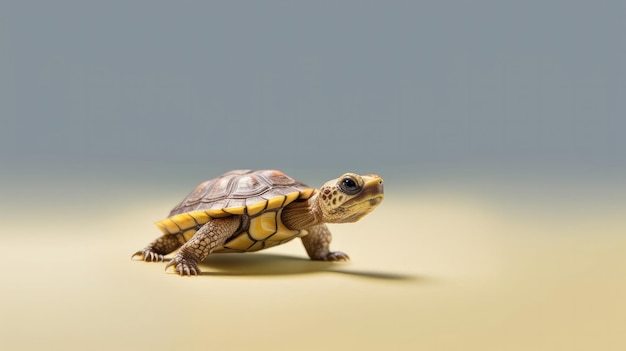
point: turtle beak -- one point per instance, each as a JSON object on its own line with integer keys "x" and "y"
{"x": 373, "y": 189}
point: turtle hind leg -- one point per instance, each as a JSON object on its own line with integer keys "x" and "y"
{"x": 156, "y": 250}
{"x": 317, "y": 245}
{"x": 210, "y": 236}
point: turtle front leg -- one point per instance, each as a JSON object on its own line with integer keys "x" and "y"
{"x": 317, "y": 245}
{"x": 213, "y": 234}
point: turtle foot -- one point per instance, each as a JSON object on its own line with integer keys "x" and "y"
{"x": 148, "y": 255}
{"x": 184, "y": 266}
{"x": 336, "y": 256}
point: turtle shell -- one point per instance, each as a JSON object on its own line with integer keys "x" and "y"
{"x": 258, "y": 196}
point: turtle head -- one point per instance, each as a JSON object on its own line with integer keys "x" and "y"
{"x": 350, "y": 197}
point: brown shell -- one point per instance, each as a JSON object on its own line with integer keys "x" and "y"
{"x": 259, "y": 195}
{"x": 238, "y": 189}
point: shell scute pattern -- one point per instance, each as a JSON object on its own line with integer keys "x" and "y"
{"x": 258, "y": 195}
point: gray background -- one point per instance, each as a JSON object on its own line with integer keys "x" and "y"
{"x": 402, "y": 88}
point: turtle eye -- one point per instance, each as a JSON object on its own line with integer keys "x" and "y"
{"x": 349, "y": 186}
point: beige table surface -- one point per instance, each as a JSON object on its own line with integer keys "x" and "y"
{"x": 431, "y": 269}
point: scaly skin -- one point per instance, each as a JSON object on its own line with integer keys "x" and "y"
{"x": 156, "y": 250}
{"x": 207, "y": 238}
{"x": 317, "y": 245}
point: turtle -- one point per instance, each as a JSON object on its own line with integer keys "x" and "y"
{"x": 252, "y": 210}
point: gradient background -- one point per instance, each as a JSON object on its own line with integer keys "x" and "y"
{"x": 498, "y": 128}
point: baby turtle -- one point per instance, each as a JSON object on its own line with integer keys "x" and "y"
{"x": 245, "y": 210}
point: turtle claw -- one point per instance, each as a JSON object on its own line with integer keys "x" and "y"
{"x": 138, "y": 253}
{"x": 337, "y": 256}
{"x": 148, "y": 256}
{"x": 183, "y": 266}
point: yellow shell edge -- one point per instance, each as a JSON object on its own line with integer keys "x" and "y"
{"x": 235, "y": 210}
{"x": 307, "y": 193}
{"x": 216, "y": 213}
{"x": 256, "y": 208}
{"x": 200, "y": 216}
{"x": 291, "y": 197}
{"x": 184, "y": 221}
{"x": 168, "y": 226}
{"x": 275, "y": 202}
{"x": 181, "y": 223}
